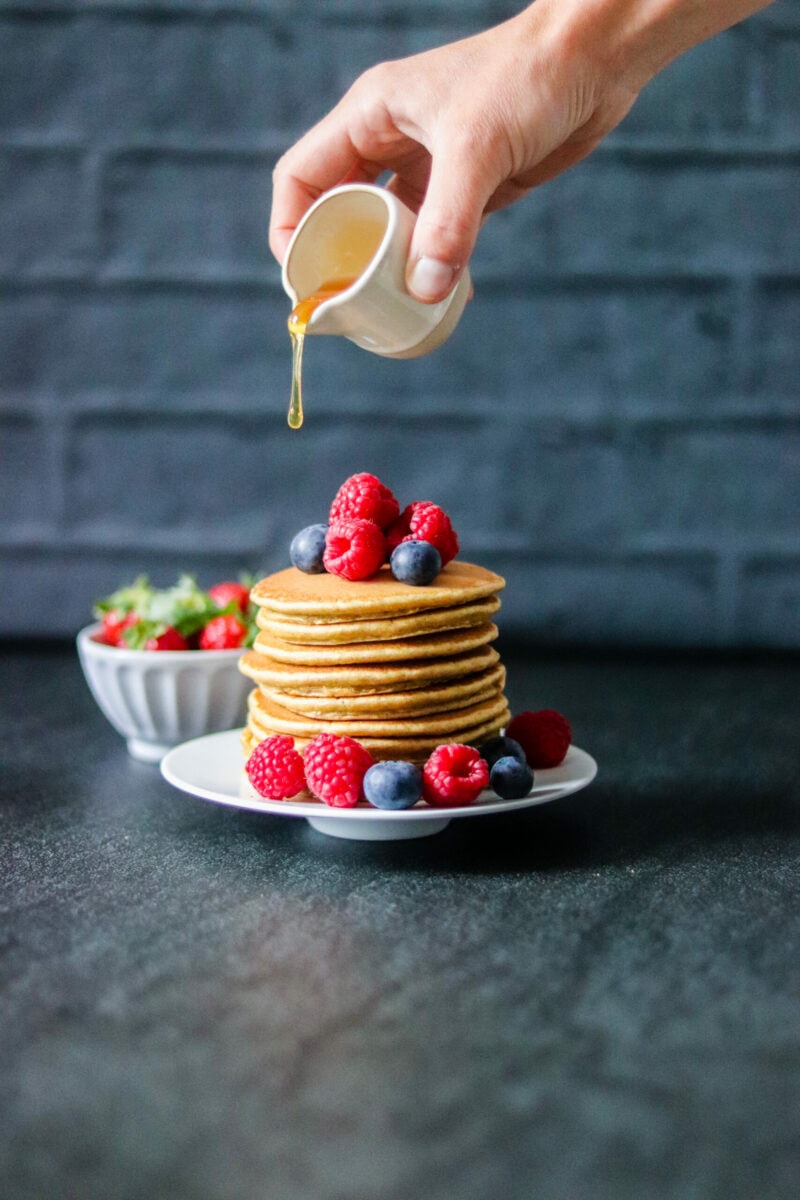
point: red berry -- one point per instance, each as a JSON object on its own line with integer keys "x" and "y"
{"x": 424, "y": 522}
{"x": 364, "y": 496}
{"x": 223, "y": 593}
{"x": 454, "y": 775}
{"x": 354, "y": 548}
{"x": 170, "y": 639}
{"x": 275, "y": 768}
{"x": 223, "y": 633}
{"x": 114, "y": 625}
{"x": 545, "y": 736}
{"x": 335, "y": 769}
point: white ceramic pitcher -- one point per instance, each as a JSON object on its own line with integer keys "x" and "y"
{"x": 362, "y": 232}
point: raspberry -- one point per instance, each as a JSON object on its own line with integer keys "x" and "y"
{"x": 223, "y": 593}
{"x": 453, "y": 775}
{"x": 424, "y": 522}
{"x": 364, "y": 496}
{"x": 223, "y": 633}
{"x": 545, "y": 736}
{"x": 275, "y": 768}
{"x": 354, "y": 548}
{"x": 335, "y": 769}
{"x": 170, "y": 639}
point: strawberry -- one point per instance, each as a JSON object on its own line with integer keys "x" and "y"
{"x": 170, "y": 639}
{"x": 226, "y": 592}
{"x": 225, "y": 632}
{"x": 114, "y": 624}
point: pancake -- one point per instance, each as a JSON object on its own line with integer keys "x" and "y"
{"x": 354, "y": 679}
{"x": 430, "y": 645}
{"x": 265, "y": 713}
{"x": 438, "y": 698}
{"x": 407, "y": 749}
{"x": 328, "y": 597}
{"x": 365, "y": 629}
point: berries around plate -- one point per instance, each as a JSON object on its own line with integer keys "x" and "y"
{"x": 454, "y": 775}
{"x": 364, "y": 496}
{"x": 276, "y": 769}
{"x": 335, "y": 767}
{"x": 394, "y": 785}
{"x": 510, "y": 778}
{"x": 354, "y": 548}
{"x": 415, "y": 562}
{"x": 545, "y": 736}
{"x": 500, "y": 747}
{"x": 307, "y": 549}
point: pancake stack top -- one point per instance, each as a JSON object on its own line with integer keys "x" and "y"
{"x": 400, "y": 668}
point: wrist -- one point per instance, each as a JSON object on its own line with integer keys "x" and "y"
{"x": 630, "y": 41}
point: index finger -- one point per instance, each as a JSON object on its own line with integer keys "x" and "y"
{"x": 323, "y": 158}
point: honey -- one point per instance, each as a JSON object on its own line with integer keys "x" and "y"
{"x": 299, "y": 317}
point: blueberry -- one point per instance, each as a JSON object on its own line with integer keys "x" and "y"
{"x": 307, "y": 549}
{"x": 510, "y": 778}
{"x": 393, "y": 784}
{"x": 415, "y": 562}
{"x": 501, "y": 747}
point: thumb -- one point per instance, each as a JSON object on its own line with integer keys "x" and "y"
{"x": 446, "y": 228}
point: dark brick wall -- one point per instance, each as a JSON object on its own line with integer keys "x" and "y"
{"x": 614, "y": 426}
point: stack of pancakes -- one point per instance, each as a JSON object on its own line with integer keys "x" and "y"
{"x": 402, "y": 669}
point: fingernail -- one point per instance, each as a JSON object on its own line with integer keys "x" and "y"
{"x": 431, "y": 279}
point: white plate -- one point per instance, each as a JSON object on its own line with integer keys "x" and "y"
{"x": 212, "y": 768}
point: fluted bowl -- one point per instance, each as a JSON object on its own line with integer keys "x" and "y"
{"x": 159, "y": 698}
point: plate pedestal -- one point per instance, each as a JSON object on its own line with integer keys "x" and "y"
{"x": 376, "y": 831}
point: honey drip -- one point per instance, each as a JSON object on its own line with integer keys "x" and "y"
{"x": 298, "y": 324}
{"x": 295, "y": 417}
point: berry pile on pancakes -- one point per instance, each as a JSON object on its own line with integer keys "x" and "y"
{"x": 399, "y": 666}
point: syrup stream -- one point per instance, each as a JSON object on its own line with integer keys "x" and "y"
{"x": 295, "y": 417}
{"x": 299, "y": 318}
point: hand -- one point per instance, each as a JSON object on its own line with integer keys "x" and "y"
{"x": 472, "y": 126}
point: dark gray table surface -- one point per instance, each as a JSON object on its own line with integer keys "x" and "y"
{"x": 596, "y": 998}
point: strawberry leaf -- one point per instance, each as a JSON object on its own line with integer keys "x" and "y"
{"x": 133, "y": 598}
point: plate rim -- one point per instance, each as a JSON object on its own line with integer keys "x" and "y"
{"x": 542, "y": 793}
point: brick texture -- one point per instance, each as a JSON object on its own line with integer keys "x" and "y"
{"x": 614, "y": 425}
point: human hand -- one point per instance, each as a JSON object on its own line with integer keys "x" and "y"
{"x": 472, "y": 126}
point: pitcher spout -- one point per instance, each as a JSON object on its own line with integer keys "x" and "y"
{"x": 321, "y": 312}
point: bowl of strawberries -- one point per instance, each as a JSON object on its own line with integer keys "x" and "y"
{"x": 163, "y": 663}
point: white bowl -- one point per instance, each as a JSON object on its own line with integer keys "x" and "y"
{"x": 159, "y": 698}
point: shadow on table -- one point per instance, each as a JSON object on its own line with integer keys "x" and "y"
{"x": 601, "y": 826}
